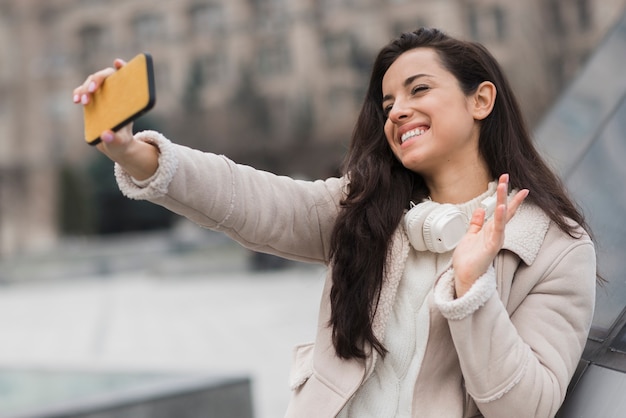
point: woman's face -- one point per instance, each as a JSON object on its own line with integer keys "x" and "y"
{"x": 430, "y": 125}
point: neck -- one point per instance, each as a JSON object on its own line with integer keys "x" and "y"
{"x": 458, "y": 186}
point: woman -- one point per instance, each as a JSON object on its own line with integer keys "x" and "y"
{"x": 414, "y": 322}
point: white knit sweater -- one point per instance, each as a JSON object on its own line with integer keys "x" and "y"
{"x": 388, "y": 393}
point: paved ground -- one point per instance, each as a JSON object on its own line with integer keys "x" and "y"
{"x": 159, "y": 303}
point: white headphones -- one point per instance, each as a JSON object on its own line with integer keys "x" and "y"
{"x": 439, "y": 227}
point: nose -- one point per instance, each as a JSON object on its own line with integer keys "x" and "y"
{"x": 399, "y": 111}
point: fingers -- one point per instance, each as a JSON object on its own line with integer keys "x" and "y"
{"x": 82, "y": 94}
{"x": 505, "y": 208}
{"x": 515, "y": 202}
{"x": 510, "y": 205}
{"x": 477, "y": 221}
{"x": 503, "y": 190}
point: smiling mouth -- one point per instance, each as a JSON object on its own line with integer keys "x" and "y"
{"x": 412, "y": 134}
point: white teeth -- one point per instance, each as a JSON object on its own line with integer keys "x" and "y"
{"x": 412, "y": 133}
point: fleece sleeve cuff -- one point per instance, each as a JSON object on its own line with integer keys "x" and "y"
{"x": 155, "y": 186}
{"x": 476, "y": 296}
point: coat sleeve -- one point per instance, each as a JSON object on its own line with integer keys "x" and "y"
{"x": 523, "y": 360}
{"x": 260, "y": 210}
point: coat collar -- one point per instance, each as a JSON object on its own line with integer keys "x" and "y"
{"x": 526, "y": 231}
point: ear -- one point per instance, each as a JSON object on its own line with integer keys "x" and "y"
{"x": 483, "y": 100}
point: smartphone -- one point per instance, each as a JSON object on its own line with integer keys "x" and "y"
{"x": 123, "y": 97}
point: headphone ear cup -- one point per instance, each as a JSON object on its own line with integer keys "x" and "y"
{"x": 443, "y": 228}
{"x": 414, "y": 223}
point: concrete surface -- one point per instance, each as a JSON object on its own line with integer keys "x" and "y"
{"x": 194, "y": 307}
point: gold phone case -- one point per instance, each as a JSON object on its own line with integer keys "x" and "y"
{"x": 123, "y": 96}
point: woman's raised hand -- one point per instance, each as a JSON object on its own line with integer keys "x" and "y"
{"x": 483, "y": 240}
{"x": 138, "y": 158}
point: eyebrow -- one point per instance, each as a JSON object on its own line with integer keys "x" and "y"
{"x": 407, "y": 83}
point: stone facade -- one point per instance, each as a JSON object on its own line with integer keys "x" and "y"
{"x": 305, "y": 62}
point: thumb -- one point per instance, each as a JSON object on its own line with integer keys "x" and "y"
{"x": 109, "y": 142}
{"x": 121, "y": 137}
{"x": 108, "y": 137}
{"x": 113, "y": 139}
{"x": 113, "y": 143}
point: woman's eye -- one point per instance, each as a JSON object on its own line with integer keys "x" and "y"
{"x": 387, "y": 109}
{"x": 419, "y": 88}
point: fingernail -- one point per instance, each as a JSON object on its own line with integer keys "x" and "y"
{"x": 92, "y": 87}
{"x": 107, "y": 137}
{"x": 76, "y": 98}
{"x": 84, "y": 99}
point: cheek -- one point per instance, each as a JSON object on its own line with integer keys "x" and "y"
{"x": 389, "y": 132}
{"x": 389, "y": 135}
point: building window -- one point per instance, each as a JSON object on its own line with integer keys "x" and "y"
{"x": 338, "y": 50}
{"x": 555, "y": 14}
{"x": 326, "y": 5}
{"x": 211, "y": 68}
{"x": 400, "y": 27}
{"x": 270, "y": 8}
{"x": 487, "y": 23}
{"x": 204, "y": 72}
{"x": 273, "y": 57}
{"x": 48, "y": 15}
{"x": 163, "y": 75}
{"x": 93, "y": 40}
{"x": 340, "y": 101}
{"x": 206, "y": 18}
{"x": 557, "y": 70}
{"x": 6, "y": 124}
{"x": 92, "y": 2}
{"x": 148, "y": 28}
{"x": 584, "y": 14}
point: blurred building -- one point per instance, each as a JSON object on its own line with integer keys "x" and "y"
{"x": 276, "y": 83}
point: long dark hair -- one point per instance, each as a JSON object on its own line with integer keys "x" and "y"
{"x": 380, "y": 187}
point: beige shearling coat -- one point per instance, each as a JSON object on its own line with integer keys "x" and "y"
{"x": 507, "y": 348}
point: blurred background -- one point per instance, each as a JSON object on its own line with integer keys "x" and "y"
{"x": 273, "y": 83}
{"x": 276, "y": 84}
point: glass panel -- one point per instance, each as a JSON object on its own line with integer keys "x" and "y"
{"x": 55, "y": 393}
{"x": 619, "y": 342}
{"x": 598, "y": 185}
{"x": 582, "y": 110}
{"x": 29, "y": 390}
{"x": 584, "y": 136}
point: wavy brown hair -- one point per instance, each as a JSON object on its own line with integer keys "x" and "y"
{"x": 381, "y": 187}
